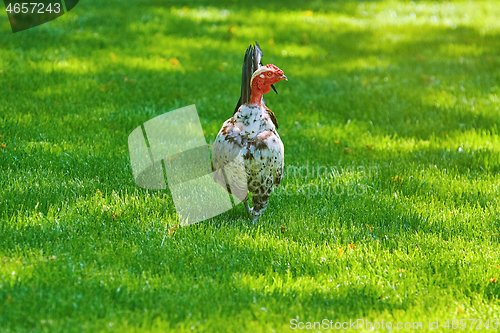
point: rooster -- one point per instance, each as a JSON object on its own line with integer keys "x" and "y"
{"x": 251, "y": 133}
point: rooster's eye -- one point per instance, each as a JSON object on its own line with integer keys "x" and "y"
{"x": 269, "y": 74}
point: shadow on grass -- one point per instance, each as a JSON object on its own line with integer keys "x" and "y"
{"x": 101, "y": 262}
{"x": 145, "y": 301}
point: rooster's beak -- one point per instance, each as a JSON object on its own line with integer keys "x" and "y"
{"x": 283, "y": 77}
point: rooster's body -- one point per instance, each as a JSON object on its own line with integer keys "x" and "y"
{"x": 251, "y": 134}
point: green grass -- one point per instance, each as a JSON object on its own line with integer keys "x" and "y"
{"x": 409, "y": 90}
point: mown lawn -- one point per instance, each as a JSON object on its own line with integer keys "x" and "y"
{"x": 395, "y": 103}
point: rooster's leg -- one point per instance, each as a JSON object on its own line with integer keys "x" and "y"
{"x": 247, "y": 206}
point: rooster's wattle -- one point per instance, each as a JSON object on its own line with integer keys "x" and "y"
{"x": 251, "y": 133}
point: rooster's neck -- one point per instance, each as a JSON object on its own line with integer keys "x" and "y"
{"x": 258, "y": 89}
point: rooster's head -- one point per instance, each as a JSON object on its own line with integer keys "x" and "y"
{"x": 267, "y": 75}
{"x": 263, "y": 78}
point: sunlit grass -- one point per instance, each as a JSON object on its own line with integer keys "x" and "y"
{"x": 397, "y": 101}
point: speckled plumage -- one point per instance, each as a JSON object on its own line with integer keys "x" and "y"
{"x": 252, "y": 131}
